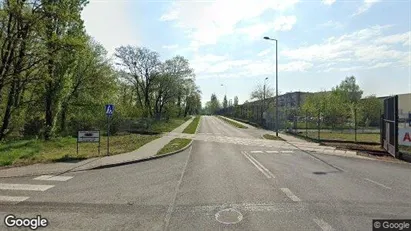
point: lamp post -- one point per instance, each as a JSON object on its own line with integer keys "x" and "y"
{"x": 276, "y": 83}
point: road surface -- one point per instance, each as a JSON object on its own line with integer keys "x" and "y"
{"x": 218, "y": 186}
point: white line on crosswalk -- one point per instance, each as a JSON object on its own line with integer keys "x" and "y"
{"x": 12, "y": 199}
{"x": 25, "y": 187}
{"x": 290, "y": 194}
{"x": 53, "y": 178}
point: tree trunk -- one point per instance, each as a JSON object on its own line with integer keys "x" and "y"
{"x": 7, "y": 113}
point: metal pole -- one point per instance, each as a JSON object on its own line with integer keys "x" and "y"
{"x": 276, "y": 86}
{"x": 355, "y": 123}
{"x": 108, "y": 135}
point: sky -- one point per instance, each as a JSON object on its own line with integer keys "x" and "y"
{"x": 320, "y": 42}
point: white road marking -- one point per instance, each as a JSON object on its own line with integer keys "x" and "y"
{"x": 53, "y": 178}
{"x": 286, "y": 151}
{"x": 375, "y": 182}
{"x": 13, "y": 199}
{"x": 323, "y": 225}
{"x": 260, "y": 167}
{"x": 173, "y": 202}
{"x": 256, "y": 151}
{"x": 290, "y": 194}
{"x": 25, "y": 187}
{"x": 271, "y": 151}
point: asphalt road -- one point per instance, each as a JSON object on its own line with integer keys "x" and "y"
{"x": 220, "y": 186}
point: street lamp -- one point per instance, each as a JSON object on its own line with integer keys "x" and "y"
{"x": 264, "y": 97}
{"x": 276, "y": 83}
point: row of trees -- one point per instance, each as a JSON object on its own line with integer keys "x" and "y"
{"x": 344, "y": 104}
{"x": 55, "y": 79}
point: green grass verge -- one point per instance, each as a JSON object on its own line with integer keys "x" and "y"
{"x": 192, "y": 127}
{"x": 235, "y": 124}
{"x": 25, "y": 152}
{"x": 361, "y": 137}
{"x": 174, "y": 145}
{"x": 167, "y": 126}
{"x": 272, "y": 137}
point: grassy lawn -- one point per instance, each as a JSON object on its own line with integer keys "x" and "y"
{"x": 26, "y": 152}
{"x": 363, "y": 137}
{"x": 272, "y": 137}
{"x": 192, "y": 127}
{"x": 235, "y": 124}
{"x": 167, "y": 126}
{"x": 174, "y": 145}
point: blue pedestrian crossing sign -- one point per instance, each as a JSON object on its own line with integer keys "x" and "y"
{"x": 109, "y": 109}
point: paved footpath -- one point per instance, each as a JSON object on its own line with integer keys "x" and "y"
{"x": 146, "y": 151}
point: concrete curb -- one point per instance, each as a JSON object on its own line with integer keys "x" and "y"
{"x": 235, "y": 121}
{"x": 138, "y": 160}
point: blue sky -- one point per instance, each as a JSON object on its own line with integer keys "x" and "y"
{"x": 320, "y": 42}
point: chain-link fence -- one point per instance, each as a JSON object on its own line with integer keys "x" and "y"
{"x": 323, "y": 127}
{"x": 319, "y": 125}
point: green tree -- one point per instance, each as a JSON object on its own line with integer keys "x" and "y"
{"x": 235, "y": 100}
{"x": 225, "y": 103}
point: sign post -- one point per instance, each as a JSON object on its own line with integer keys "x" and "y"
{"x": 88, "y": 137}
{"x": 109, "y": 113}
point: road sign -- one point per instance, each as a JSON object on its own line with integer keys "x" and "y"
{"x": 88, "y": 136}
{"x": 109, "y": 109}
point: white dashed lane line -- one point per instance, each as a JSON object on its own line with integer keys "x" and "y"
{"x": 256, "y": 151}
{"x": 271, "y": 151}
{"x": 290, "y": 194}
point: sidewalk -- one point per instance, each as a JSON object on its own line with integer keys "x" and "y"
{"x": 146, "y": 151}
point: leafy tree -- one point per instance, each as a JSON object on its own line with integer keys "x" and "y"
{"x": 225, "y": 104}
{"x": 261, "y": 93}
{"x": 235, "y": 100}
{"x": 369, "y": 111}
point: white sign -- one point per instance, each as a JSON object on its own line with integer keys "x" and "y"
{"x": 88, "y": 136}
{"x": 404, "y": 136}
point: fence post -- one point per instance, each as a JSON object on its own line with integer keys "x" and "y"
{"x": 355, "y": 123}
{"x": 306, "y": 123}
{"x": 319, "y": 124}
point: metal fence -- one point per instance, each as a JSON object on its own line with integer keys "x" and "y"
{"x": 315, "y": 125}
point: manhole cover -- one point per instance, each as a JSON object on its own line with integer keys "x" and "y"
{"x": 228, "y": 216}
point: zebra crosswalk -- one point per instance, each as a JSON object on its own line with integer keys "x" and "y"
{"x": 8, "y": 190}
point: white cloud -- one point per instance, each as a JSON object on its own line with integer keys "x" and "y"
{"x": 328, "y": 2}
{"x": 264, "y": 52}
{"x": 332, "y": 24}
{"x": 365, "y": 6}
{"x": 285, "y": 23}
{"x": 205, "y": 22}
{"x": 256, "y": 31}
{"x": 103, "y": 28}
{"x": 363, "y": 46}
{"x": 403, "y": 38}
{"x": 170, "y": 47}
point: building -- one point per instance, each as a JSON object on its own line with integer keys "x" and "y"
{"x": 404, "y": 104}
